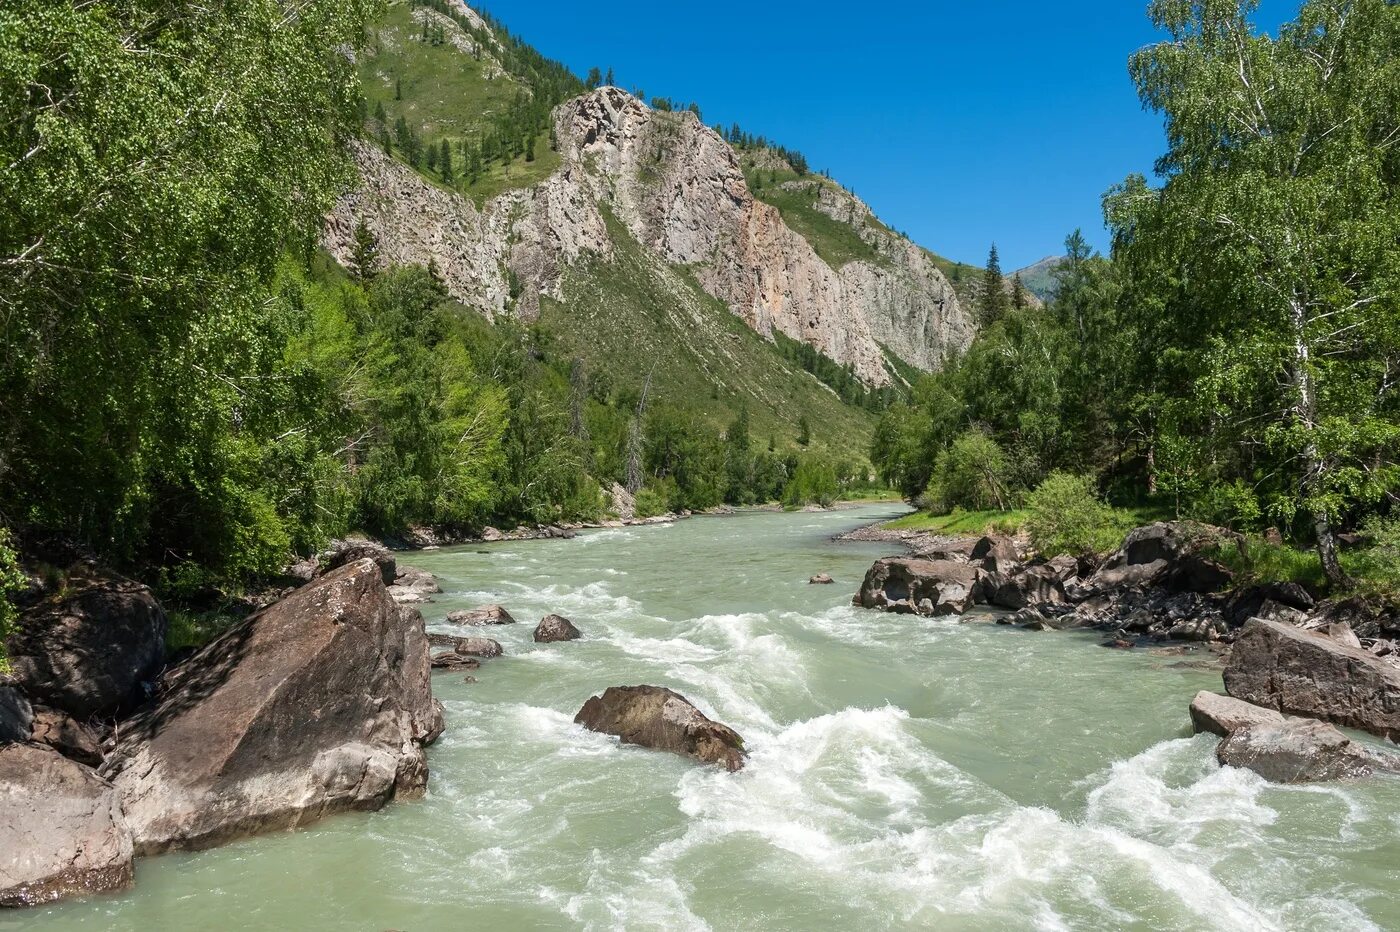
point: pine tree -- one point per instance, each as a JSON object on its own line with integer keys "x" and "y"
{"x": 363, "y": 252}
{"x": 804, "y": 431}
{"x": 610, "y": 81}
{"x": 432, "y": 157}
{"x": 530, "y": 150}
{"x": 380, "y": 116}
{"x": 992, "y": 301}
{"x": 1019, "y": 299}
{"x": 595, "y": 78}
{"x": 445, "y": 161}
{"x": 398, "y": 89}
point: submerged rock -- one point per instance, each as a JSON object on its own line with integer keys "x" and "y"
{"x": 656, "y": 717}
{"x": 1302, "y": 751}
{"x": 451, "y": 660}
{"x": 1299, "y": 672}
{"x": 480, "y": 617}
{"x": 62, "y": 833}
{"x": 1221, "y": 715}
{"x": 319, "y": 704}
{"x": 821, "y": 579}
{"x": 413, "y": 586}
{"x": 556, "y": 628}
{"x": 88, "y": 649}
{"x": 923, "y": 587}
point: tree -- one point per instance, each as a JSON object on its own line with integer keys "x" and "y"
{"x": 804, "y": 430}
{"x": 398, "y": 88}
{"x": 1019, "y": 299}
{"x": 610, "y": 80}
{"x": 1273, "y": 244}
{"x": 594, "y": 80}
{"x": 445, "y": 162}
{"x": 530, "y": 150}
{"x": 364, "y": 253}
{"x": 991, "y": 299}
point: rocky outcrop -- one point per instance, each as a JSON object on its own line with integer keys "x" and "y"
{"x": 345, "y": 552}
{"x": 1299, "y": 672}
{"x": 1221, "y": 715}
{"x": 62, "y": 832}
{"x": 821, "y": 579}
{"x": 1302, "y": 751}
{"x": 89, "y": 648}
{"x": 67, "y": 736}
{"x": 413, "y": 586}
{"x": 656, "y": 717}
{"x": 318, "y": 704}
{"x": 556, "y": 628}
{"x": 16, "y": 715}
{"x": 481, "y": 617}
{"x": 679, "y": 190}
{"x": 1169, "y": 554}
{"x": 908, "y": 585}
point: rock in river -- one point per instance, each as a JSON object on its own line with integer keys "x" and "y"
{"x": 556, "y": 628}
{"x": 1297, "y": 672}
{"x": 923, "y": 587}
{"x": 1221, "y": 715}
{"x": 88, "y": 649}
{"x": 318, "y": 704}
{"x": 1302, "y": 751}
{"x": 656, "y": 717}
{"x": 62, "y": 832}
{"x": 821, "y": 579}
{"x": 480, "y": 617}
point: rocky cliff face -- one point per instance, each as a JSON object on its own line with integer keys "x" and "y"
{"x": 679, "y": 190}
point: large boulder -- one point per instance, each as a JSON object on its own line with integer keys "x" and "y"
{"x": 320, "y": 703}
{"x": 90, "y": 647}
{"x": 1302, "y": 751}
{"x": 995, "y": 554}
{"x": 345, "y": 552}
{"x": 67, "y": 736}
{"x": 1032, "y": 585}
{"x": 1170, "y": 554}
{"x": 481, "y": 617}
{"x": 413, "y": 586}
{"x": 1221, "y": 715}
{"x": 62, "y": 832}
{"x": 910, "y": 585}
{"x": 656, "y": 717}
{"x": 556, "y": 628}
{"x": 1300, "y": 672}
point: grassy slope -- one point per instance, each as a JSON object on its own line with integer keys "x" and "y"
{"x": 1039, "y": 278}
{"x": 631, "y": 313}
{"x": 837, "y": 243}
{"x": 446, "y": 95}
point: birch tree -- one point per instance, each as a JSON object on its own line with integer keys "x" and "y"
{"x": 1273, "y": 244}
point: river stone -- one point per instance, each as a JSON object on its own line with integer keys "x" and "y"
{"x": 451, "y": 660}
{"x": 1221, "y": 715}
{"x": 318, "y": 704}
{"x": 62, "y": 833}
{"x": 656, "y": 717}
{"x": 413, "y": 586}
{"x": 556, "y": 628}
{"x": 1302, "y": 751}
{"x": 821, "y": 579}
{"x": 88, "y": 649}
{"x": 480, "y": 617}
{"x": 1031, "y": 585}
{"x": 1300, "y": 672}
{"x": 913, "y": 586}
{"x": 995, "y": 554}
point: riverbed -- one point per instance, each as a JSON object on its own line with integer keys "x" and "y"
{"x": 903, "y": 773}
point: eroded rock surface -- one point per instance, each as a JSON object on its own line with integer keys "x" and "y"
{"x": 656, "y": 717}
{"x": 480, "y": 617}
{"x": 62, "y": 832}
{"x": 1303, "y": 751}
{"x": 318, "y": 704}
{"x": 1221, "y": 715}
{"x": 556, "y": 628}
{"x": 908, "y": 585}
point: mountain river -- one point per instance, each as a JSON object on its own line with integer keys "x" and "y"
{"x": 903, "y": 773}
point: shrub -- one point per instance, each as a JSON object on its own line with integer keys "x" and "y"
{"x": 814, "y": 482}
{"x": 972, "y": 474}
{"x": 650, "y": 503}
{"x": 1068, "y": 516}
{"x": 1380, "y": 563}
{"x": 11, "y": 579}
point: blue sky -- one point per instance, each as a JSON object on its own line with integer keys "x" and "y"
{"x": 959, "y": 123}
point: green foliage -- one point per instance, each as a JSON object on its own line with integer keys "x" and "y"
{"x": 11, "y": 580}
{"x": 962, "y": 523}
{"x": 992, "y": 300}
{"x": 796, "y": 196}
{"x": 652, "y": 502}
{"x": 972, "y": 474}
{"x": 813, "y": 483}
{"x": 1068, "y": 516}
{"x": 1380, "y": 562}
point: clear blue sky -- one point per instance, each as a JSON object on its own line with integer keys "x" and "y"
{"x": 959, "y": 123}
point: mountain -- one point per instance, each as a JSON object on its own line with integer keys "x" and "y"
{"x": 1039, "y": 278}
{"x": 647, "y": 201}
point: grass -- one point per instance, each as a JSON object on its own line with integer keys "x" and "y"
{"x": 1259, "y": 561}
{"x": 837, "y": 243}
{"x": 630, "y": 315}
{"x": 966, "y": 523}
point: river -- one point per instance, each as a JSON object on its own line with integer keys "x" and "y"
{"x": 904, "y": 773}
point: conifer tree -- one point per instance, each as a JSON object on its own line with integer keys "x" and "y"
{"x": 992, "y": 301}
{"x": 445, "y": 161}
{"x": 364, "y": 252}
{"x": 610, "y": 80}
{"x": 1019, "y": 299}
{"x": 595, "y": 79}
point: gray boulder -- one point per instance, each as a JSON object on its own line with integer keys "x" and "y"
{"x": 1221, "y": 715}
{"x": 821, "y": 579}
{"x": 481, "y": 617}
{"x": 1302, "y": 751}
{"x": 319, "y": 704}
{"x": 67, "y": 736}
{"x": 413, "y": 586}
{"x": 1168, "y": 554}
{"x": 89, "y": 648}
{"x": 556, "y": 628}
{"x": 910, "y": 585}
{"x": 995, "y": 554}
{"x": 345, "y": 552}
{"x": 1031, "y": 585}
{"x": 62, "y": 833}
{"x": 656, "y": 717}
{"x": 1301, "y": 672}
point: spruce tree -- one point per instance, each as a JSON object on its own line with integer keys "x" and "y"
{"x": 610, "y": 81}
{"x": 1019, "y": 299}
{"x": 595, "y": 78}
{"x": 363, "y": 252}
{"x": 992, "y": 301}
{"x": 445, "y": 161}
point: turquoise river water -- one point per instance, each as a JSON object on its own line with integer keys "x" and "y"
{"x": 904, "y": 773}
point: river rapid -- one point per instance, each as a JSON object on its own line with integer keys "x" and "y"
{"x": 903, "y": 773}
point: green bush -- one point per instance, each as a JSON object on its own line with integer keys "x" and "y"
{"x": 1380, "y": 563}
{"x": 1068, "y": 516}
{"x": 651, "y": 502}
{"x": 11, "y": 579}
{"x": 972, "y": 475}
{"x": 814, "y": 482}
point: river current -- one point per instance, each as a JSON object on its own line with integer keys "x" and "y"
{"x": 903, "y": 773}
